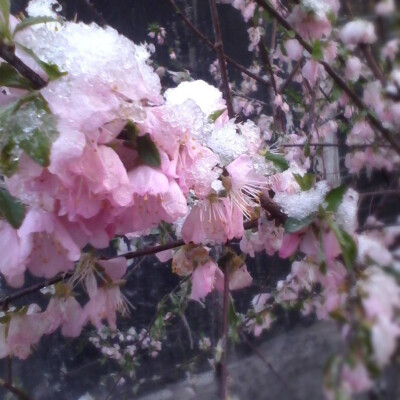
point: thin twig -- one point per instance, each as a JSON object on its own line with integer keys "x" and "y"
{"x": 4, "y": 301}
{"x": 352, "y": 146}
{"x": 219, "y": 46}
{"x": 375, "y": 122}
{"x": 373, "y": 65}
{"x": 290, "y": 77}
{"x": 222, "y": 368}
{"x": 284, "y": 383}
{"x": 211, "y": 45}
{"x": 14, "y": 390}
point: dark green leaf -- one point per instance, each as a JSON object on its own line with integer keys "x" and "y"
{"x": 26, "y": 125}
{"x": 293, "y": 225}
{"x": 215, "y": 115}
{"x": 11, "y": 209}
{"x": 279, "y": 161}
{"x": 52, "y": 70}
{"x": 307, "y": 150}
{"x": 10, "y": 77}
{"x": 148, "y": 151}
{"x": 5, "y": 18}
{"x": 317, "y": 51}
{"x": 306, "y": 181}
{"x": 335, "y": 197}
{"x": 31, "y": 21}
{"x": 347, "y": 244}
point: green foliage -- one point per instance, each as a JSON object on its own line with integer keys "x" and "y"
{"x": 347, "y": 244}
{"x": 31, "y": 21}
{"x": 10, "y": 77}
{"x": 293, "y": 225}
{"x": 148, "y": 151}
{"x": 335, "y": 197}
{"x": 52, "y": 70}
{"x": 11, "y": 209}
{"x": 26, "y": 125}
{"x": 317, "y": 50}
{"x": 4, "y": 19}
{"x": 279, "y": 161}
{"x": 306, "y": 181}
{"x": 215, "y": 115}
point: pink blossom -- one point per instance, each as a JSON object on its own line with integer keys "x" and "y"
{"x": 216, "y": 220}
{"x": 294, "y": 49}
{"x": 240, "y": 278}
{"x": 353, "y": 68}
{"x": 103, "y": 305}
{"x": 358, "y": 32}
{"x": 203, "y": 278}
{"x": 65, "y": 312}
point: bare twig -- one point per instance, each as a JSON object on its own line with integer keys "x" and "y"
{"x": 373, "y": 65}
{"x": 219, "y": 46}
{"x": 222, "y": 370}
{"x": 211, "y": 45}
{"x": 352, "y": 146}
{"x": 14, "y": 390}
{"x": 290, "y": 77}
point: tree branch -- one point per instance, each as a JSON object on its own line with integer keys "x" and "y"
{"x": 219, "y": 46}
{"x": 14, "y": 390}
{"x": 211, "y": 45}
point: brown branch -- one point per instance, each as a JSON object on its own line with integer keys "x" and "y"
{"x": 221, "y": 367}
{"x": 348, "y": 146}
{"x": 7, "y": 53}
{"x": 290, "y": 77}
{"x": 373, "y": 65}
{"x": 4, "y": 301}
{"x": 14, "y": 390}
{"x": 375, "y": 122}
{"x": 219, "y": 46}
{"x": 266, "y": 61}
{"x": 211, "y": 45}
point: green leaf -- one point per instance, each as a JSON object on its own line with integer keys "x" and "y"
{"x": 347, "y": 244}
{"x": 52, "y": 70}
{"x": 215, "y": 115}
{"x": 5, "y": 18}
{"x": 148, "y": 151}
{"x": 279, "y": 161}
{"x": 334, "y": 198}
{"x": 32, "y": 21}
{"x": 307, "y": 150}
{"x": 293, "y": 225}
{"x": 11, "y": 209}
{"x": 305, "y": 182}
{"x": 317, "y": 50}
{"x": 10, "y": 77}
{"x": 26, "y": 125}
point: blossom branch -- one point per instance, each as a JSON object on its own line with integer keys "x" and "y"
{"x": 271, "y": 207}
{"x": 219, "y": 47}
{"x": 211, "y": 45}
{"x": 375, "y": 122}
{"x": 7, "y": 53}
